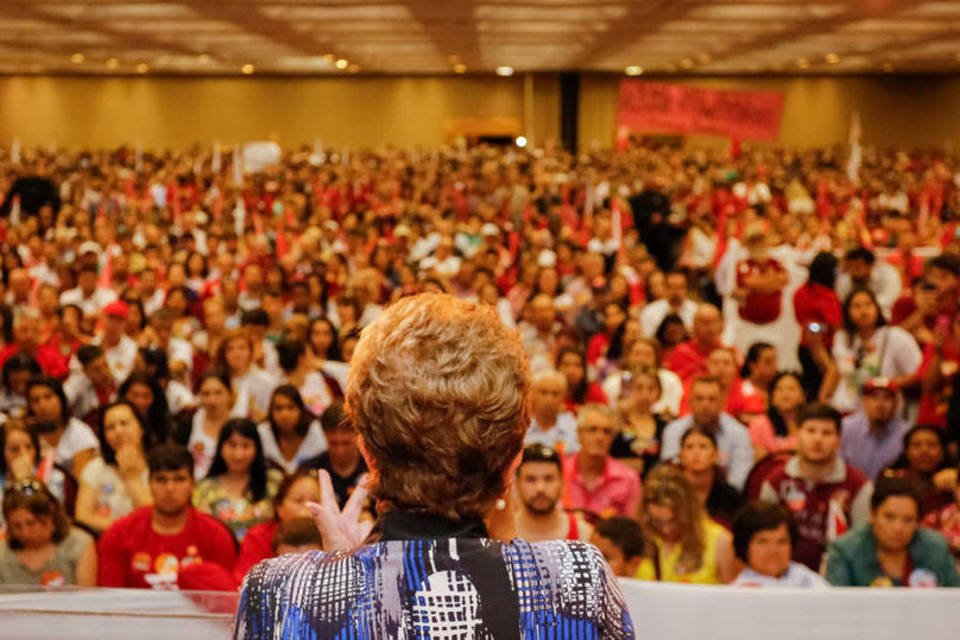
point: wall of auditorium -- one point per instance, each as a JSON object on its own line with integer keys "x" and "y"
{"x": 894, "y": 110}
{"x": 357, "y": 110}
{"x": 423, "y": 110}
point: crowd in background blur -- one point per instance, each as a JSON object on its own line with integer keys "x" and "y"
{"x": 743, "y": 359}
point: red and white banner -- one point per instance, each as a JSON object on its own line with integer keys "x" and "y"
{"x": 657, "y": 107}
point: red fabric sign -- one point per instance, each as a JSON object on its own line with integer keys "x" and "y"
{"x": 670, "y": 108}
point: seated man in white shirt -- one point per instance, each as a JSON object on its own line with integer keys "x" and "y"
{"x": 861, "y": 270}
{"x": 87, "y": 295}
{"x": 676, "y": 301}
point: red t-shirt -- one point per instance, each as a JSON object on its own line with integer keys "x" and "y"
{"x": 688, "y": 360}
{"x": 933, "y": 406}
{"x": 814, "y": 302}
{"x": 257, "y": 545}
{"x": 759, "y": 308}
{"x": 132, "y": 554}
{"x": 51, "y": 362}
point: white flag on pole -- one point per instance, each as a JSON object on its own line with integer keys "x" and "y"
{"x": 856, "y": 153}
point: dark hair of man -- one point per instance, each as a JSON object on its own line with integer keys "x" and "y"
{"x": 861, "y": 253}
{"x": 255, "y": 317}
{"x": 820, "y": 411}
{"x": 289, "y": 353}
{"x": 540, "y": 453}
{"x": 949, "y": 262}
{"x": 20, "y": 361}
{"x": 757, "y": 517}
{"x": 334, "y": 418}
{"x": 623, "y": 532}
{"x": 88, "y": 353}
{"x": 169, "y": 457}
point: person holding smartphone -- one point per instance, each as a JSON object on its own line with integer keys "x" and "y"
{"x": 938, "y": 373}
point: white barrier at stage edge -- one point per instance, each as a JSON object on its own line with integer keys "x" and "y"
{"x": 659, "y": 611}
{"x": 692, "y": 612}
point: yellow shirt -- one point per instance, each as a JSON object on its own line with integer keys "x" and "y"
{"x": 706, "y": 574}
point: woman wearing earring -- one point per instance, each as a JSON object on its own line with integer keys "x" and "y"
{"x": 438, "y": 395}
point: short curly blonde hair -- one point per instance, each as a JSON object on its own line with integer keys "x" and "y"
{"x": 438, "y": 390}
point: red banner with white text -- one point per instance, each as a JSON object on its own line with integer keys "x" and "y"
{"x": 656, "y": 107}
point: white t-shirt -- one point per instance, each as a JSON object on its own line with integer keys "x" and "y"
{"x": 258, "y": 385}
{"x": 671, "y": 393}
{"x": 890, "y": 352}
{"x": 202, "y": 446}
{"x": 90, "y": 306}
{"x": 313, "y": 445}
{"x": 111, "y": 491}
{"x": 76, "y": 437}
{"x": 120, "y": 358}
{"x": 797, "y": 575}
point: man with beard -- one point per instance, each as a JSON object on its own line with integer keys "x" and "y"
{"x": 539, "y": 488}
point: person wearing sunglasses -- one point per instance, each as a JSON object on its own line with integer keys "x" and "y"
{"x": 41, "y": 547}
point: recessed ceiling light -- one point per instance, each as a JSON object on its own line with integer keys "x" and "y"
{"x": 832, "y": 58}
{"x": 203, "y": 58}
{"x": 504, "y": 71}
{"x": 633, "y": 70}
{"x": 247, "y": 69}
{"x": 77, "y": 58}
{"x": 342, "y": 63}
{"x": 459, "y": 68}
{"x": 112, "y": 63}
{"x": 686, "y": 63}
{"x": 143, "y": 67}
{"x": 803, "y": 63}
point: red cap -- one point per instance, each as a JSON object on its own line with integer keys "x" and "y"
{"x": 117, "y": 309}
{"x": 880, "y": 384}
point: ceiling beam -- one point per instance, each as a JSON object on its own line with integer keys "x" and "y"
{"x": 643, "y": 17}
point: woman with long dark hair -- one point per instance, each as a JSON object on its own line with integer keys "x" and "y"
{"x": 238, "y": 489}
{"x": 580, "y": 390}
{"x": 144, "y": 392}
{"x": 867, "y": 348}
{"x": 820, "y": 316}
{"x": 292, "y": 434}
{"x": 73, "y": 442}
{"x": 776, "y": 430}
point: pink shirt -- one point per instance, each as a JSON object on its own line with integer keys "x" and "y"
{"x": 617, "y": 491}
{"x": 763, "y": 435}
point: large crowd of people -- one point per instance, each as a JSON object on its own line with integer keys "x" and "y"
{"x": 743, "y": 360}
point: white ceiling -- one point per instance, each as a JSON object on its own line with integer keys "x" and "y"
{"x": 447, "y": 36}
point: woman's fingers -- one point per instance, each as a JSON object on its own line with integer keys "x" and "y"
{"x": 327, "y": 495}
{"x": 351, "y": 510}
